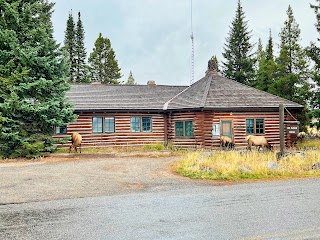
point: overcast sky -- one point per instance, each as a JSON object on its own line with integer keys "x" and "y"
{"x": 152, "y": 37}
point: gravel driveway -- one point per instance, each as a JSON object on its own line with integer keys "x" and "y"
{"x": 56, "y": 178}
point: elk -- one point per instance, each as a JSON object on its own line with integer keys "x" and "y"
{"x": 76, "y": 141}
{"x": 259, "y": 141}
{"x": 226, "y": 142}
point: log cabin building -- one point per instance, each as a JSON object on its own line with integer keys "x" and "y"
{"x": 185, "y": 116}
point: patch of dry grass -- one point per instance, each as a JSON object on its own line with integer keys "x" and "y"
{"x": 236, "y": 165}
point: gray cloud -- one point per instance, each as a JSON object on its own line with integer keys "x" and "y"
{"x": 152, "y": 37}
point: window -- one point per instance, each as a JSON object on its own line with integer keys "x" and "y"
{"x": 250, "y": 126}
{"x": 146, "y": 124}
{"x": 109, "y": 124}
{"x": 97, "y": 125}
{"x": 254, "y": 126}
{"x": 141, "y": 124}
{"x": 135, "y": 124}
{"x": 184, "y": 129}
{"x": 61, "y": 130}
{"x": 259, "y": 126}
{"x": 189, "y": 129}
{"x": 179, "y": 129}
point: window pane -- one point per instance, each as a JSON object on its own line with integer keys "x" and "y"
{"x": 109, "y": 124}
{"x": 179, "y": 129}
{"x": 250, "y": 126}
{"x": 146, "y": 124}
{"x": 135, "y": 124}
{"x": 189, "y": 129}
{"x": 259, "y": 126}
{"x": 61, "y": 130}
{"x": 97, "y": 124}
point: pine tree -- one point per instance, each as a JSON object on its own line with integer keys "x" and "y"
{"x": 269, "y": 48}
{"x": 33, "y": 79}
{"x": 313, "y": 52}
{"x": 292, "y": 64}
{"x": 239, "y": 64}
{"x": 266, "y": 66}
{"x": 80, "y": 54}
{"x": 103, "y": 64}
{"x": 130, "y": 80}
{"x": 70, "y": 46}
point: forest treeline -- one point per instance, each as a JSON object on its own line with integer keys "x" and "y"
{"x": 36, "y": 72}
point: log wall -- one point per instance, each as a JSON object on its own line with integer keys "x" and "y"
{"x": 203, "y": 121}
{"x": 122, "y": 135}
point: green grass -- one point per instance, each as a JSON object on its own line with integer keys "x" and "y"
{"x": 112, "y": 149}
{"x": 312, "y": 143}
{"x": 229, "y": 165}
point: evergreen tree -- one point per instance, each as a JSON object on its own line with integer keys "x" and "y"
{"x": 260, "y": 52}
{"x": 266, "y": 67}
{"x": 269, "y": 48}
{"x": 70, "y": 46}
{"x": 80, "y": 54}
{"x": 239, "y": 64}
{"x": 33, "y": 79}
{"x": 103, "y": 64}
{"x": 314, "y": 53}
{"x": 130, "y": 80}
{"x": 292, "y": 64}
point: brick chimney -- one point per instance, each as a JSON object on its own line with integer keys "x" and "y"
{"x": 151, "y": 83}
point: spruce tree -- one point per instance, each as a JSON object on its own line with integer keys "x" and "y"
{"x": 266, "y": 67}
{"x": 80, "y": 54}
{"x": 239, "y": 64}
{"x": 130, "y": 80}
{"x": 103, "y": 64}
{"x": 33, "y": 79}
{"x": 314, "y": 53}
{"x": 70, "y": 47}
{"x": 269, "y": 48}
{"x": 292, "y": 64}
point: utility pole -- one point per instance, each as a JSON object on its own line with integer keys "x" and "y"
{"x": 281, "y": 122}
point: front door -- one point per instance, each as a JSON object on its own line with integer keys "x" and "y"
{"x": 226, "y": 128}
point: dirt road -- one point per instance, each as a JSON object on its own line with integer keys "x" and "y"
{"x": 54, "y": 178}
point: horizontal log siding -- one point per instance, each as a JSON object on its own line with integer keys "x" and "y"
{"x": 122, "y": 136}
{"x": 271, "y": 126}
{"x": 202, "y": 129}
{"x": 185, "y": 142}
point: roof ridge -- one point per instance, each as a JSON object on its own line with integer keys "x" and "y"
{"x": 206, "y": 92}
{"x": 165, "y": 106}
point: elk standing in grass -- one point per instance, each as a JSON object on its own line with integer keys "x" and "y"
{"x": 258, "y": 141}
{"x": 226, "y": 142}
{"x": 76, "y": 141}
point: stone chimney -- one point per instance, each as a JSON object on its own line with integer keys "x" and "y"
{"x": 212, "y": 67}
{"x": 151, "y": 83}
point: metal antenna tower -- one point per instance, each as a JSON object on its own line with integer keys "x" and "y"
{"x": 192, "y": 51}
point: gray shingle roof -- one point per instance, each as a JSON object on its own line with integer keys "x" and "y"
{"x": 211, "y": 92}
{"x": 121, "y": 97}
{"x": 217, "y": 92}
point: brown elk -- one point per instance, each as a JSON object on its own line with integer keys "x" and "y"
{"x": 76, "y": 141}
{"x": 259, "y": 141}
{"x": 226, "y": 142}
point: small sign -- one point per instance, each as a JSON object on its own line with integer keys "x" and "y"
{"x": 215, "y": 130}
{"x": 292, "y": 129}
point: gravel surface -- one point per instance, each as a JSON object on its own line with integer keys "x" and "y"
{"x": 83, "y": 176}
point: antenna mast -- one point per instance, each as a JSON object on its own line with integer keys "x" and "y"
{"x": 192, "y": 51}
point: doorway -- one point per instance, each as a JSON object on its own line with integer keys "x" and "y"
{"x": 226, "y": 128}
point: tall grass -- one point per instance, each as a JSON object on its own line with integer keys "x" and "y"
{"x": 236, "y": 165}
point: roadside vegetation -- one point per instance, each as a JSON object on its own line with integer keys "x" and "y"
{"x": 239, "y": 165}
